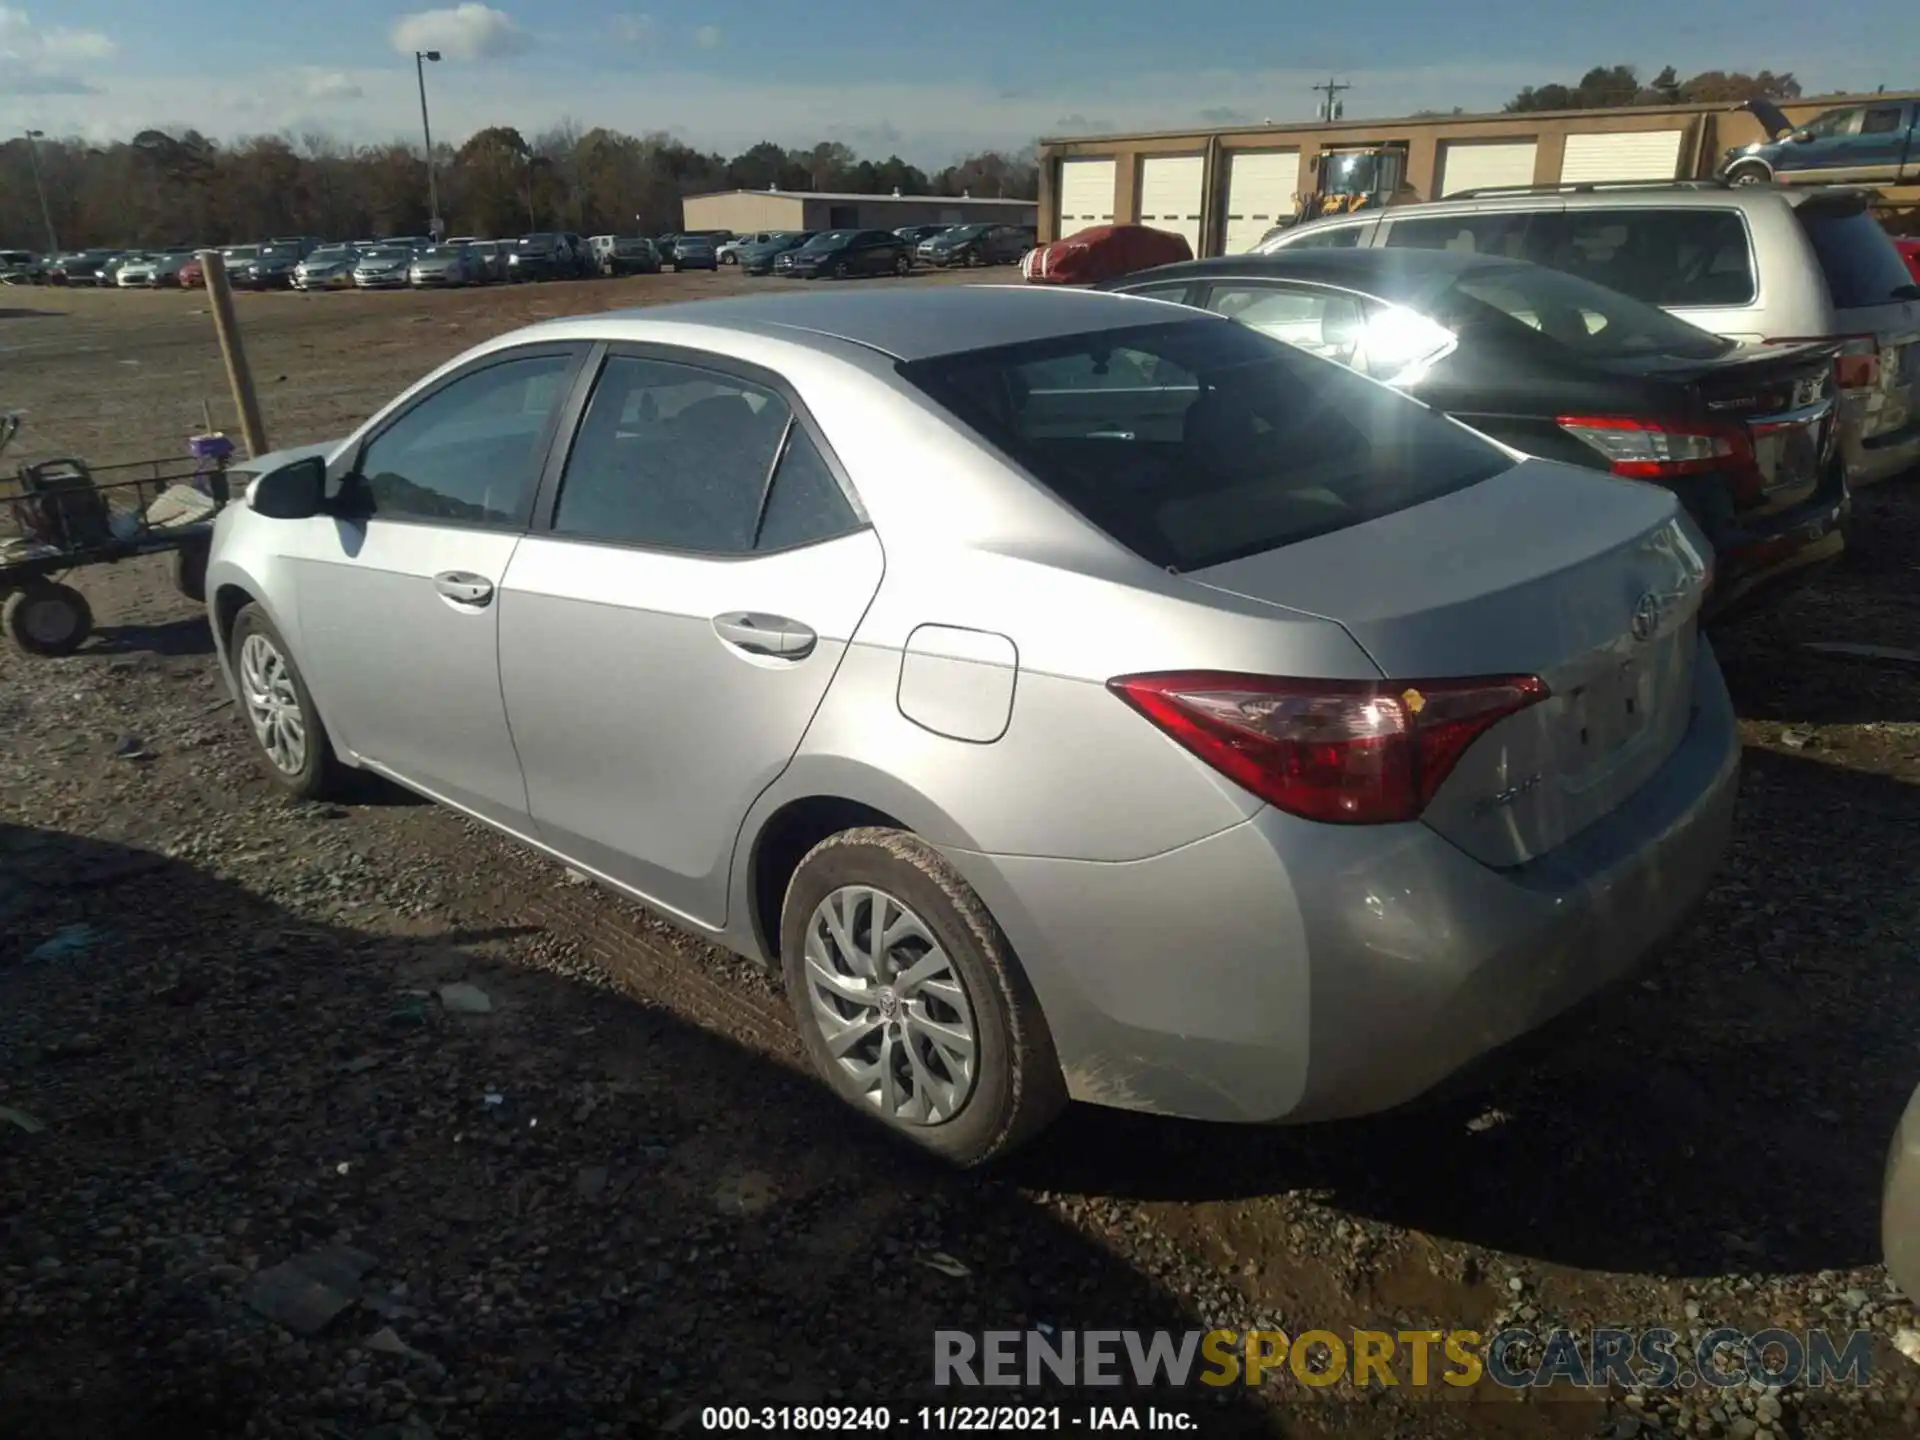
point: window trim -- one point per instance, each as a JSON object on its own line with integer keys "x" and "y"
{"x": 573, "y": 414}
{"x": 347, "y": 466}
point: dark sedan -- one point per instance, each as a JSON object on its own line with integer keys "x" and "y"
{"x": 975, "y": 245}
{"x": 545, "y": 256}
{"x": 844, "y": 254}
{"x": 759, "y": 258}
{"x": 1556, "y": 366}
{"x": 695, "y": 252}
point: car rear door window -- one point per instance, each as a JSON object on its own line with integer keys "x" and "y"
{"x": 1326, "y": 323}
{"x": 675, "y": 457}
{"x": 1882, "y": 119}
{"x": 1862, "y": 265}
{"x": 1193, "y": 442}
{"x": 470, "y": 453}
{"x": 1504, "y": 235}
{"x": 1685, "y": 258}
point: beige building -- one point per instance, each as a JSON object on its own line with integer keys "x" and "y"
{"x": 1225, "y": 188}
{"x": 744, "y": 211}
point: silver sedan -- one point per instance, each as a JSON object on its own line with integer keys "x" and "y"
{"x": 1075, "y": 696}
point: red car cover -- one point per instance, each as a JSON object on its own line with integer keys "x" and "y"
{"x": 1910, "y": 252}
{"x": 1103, "y": 252}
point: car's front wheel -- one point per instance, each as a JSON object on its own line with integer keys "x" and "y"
{"x": 902, "y": 265}
{"x": 910, "y": 1001}
{"x": 1749, "y": 175}
{"x": 280, "y": 709}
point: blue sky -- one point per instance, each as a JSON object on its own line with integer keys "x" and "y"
{"x": 928, "y": 81}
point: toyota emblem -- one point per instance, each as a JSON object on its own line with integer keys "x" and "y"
{"x": 1646, "y": 617}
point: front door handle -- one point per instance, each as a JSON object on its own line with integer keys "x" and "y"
{"x": 463, "y": 587}
{"x": 760, "y": 634}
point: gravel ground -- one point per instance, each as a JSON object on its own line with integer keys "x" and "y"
{"x": 611, "y": 1197}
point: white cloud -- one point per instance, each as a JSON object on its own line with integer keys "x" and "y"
{"x": 634, "y": 29}
{"x": 707, "y": 37}
{"x": 468, "y": 31}
{"x": 330, "y": 85}
{"x": 35, "y": 59}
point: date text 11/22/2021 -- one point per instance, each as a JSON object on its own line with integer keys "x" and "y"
{"x": 942, "y": 1419}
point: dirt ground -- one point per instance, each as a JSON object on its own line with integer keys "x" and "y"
{"x": 613, "y": 1198}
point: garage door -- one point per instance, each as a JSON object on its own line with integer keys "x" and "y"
{"x": 1170, "y": 188}
{"x": 1631, "y": 155}
{"x": 1086, "y": 194}
{"x": 1484, "y": 164}
{"x": 1260, "y": 191}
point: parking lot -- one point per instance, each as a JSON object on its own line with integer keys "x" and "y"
{"x": 612, "y": 1197}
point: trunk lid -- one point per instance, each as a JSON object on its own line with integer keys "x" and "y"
{"x": 1781, "y": 396}
{"x": 1591, "y": 583}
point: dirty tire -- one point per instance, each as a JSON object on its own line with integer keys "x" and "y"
{"x": 1017, "y": 1088}
{"x": 321, "y": 776}
{"x": 190, "y": 570}
{"x": 46, "y": 619}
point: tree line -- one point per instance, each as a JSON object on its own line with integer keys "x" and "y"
{"x": 169, "y": 188}
{"x": 1605, "y": 87}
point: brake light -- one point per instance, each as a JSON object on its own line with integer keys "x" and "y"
{"x": 1345, "y": 752}
{"x": 1856, "y": 367}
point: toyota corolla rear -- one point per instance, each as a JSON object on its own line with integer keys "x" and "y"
{"x": 1373, "y": 747}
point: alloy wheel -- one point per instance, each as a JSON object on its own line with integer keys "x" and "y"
{"x": 891, "y": 1006}
{"x": 273, "y": 705}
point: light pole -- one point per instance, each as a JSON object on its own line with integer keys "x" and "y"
{"x": 46, "y": 216}
{"x": 420, "y": 58}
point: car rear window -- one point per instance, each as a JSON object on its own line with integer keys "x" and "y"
{"x": 1859, "y": 260}
{"x": 1587, "y": 319}
{"x": 1681, "y": 258}
{"x": 1195, "y": 442}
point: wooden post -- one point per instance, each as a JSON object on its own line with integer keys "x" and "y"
{"x": 227, "y": 326}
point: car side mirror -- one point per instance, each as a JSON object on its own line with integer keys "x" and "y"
{"x": 1803, "y": 137}
{"x": 293, "y": 492}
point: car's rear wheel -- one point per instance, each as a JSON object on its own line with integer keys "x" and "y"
{"x": 47, "y": 619}
{"x": 841, "y": 270}
{"x": 902, "y": 265}
{"x": 280, "y": 710}
{"x": 910, "y": 1001}
{"x": 1748, "y": 175}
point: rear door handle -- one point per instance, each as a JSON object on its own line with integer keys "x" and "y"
{"x": 760, "y": 634}
{"x": 463, "y": 587}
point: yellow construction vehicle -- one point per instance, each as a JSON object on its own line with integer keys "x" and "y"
{"x": 1356, "y": 177}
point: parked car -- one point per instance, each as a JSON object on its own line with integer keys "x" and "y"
{"x": 192, "y": 274}
{"x": 1746, "y": 435}
{"x": 152, "y": 272}
{"x": 625, "y": 255}
{"x": 80, "y": 267}
{"x": 695, "y": 252}
{"x": 1393, "y": 718}
{"x": 1868, "y": 144}
{"x": 974, "y": 245}
{"x": 727, "y": 252}
{"x": 237, "y": 259}
{"x": 385, "y": 267}
{"x": 273, "y": 267}
{"x": 914, "y": 234}
{"x": 22, "y": 267}
{"x": 844, "y": 254}
{"x": 546, "y": 256}
{"x": 759, "y": 259}
{"x": 493, "y": 255}
{"x": 302, "y": 245}
{"x": 1102, "y": 252}
{"x": 442, "y": 266}
{"x": 668, "y": 245}
{"x": 1753, "y": 263}
{"x": 327, "y": 267}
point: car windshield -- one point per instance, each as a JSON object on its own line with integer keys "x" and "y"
{"x": 1195, "y": 442}
{"x": 1589, "y": 319}
{"x": 694, "y": 242}
{"x": 830, "y": 239}
{"x": 280, "y": 252}
{"x": 440, "y": 252}
{"x": 331, "y": 252}
{"x": 631, "y": 247}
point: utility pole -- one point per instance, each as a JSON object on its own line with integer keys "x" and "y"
{"x": 1331, "y": 108}
{"x": 34, "y": 137}
{"x": 434, "y": 226}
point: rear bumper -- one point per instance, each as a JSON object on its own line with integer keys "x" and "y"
{"x": 1281, "y": 970}
{"x": 1881, "y": 457}
{"x": 1786, "y": 547}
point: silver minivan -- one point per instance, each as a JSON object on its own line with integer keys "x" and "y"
{"x": 1755, "y": 263}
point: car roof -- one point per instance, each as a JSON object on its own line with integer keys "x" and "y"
{"x": 912, "y": 324}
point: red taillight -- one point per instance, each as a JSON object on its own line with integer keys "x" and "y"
{"x": 1348, "y": 752}
{"x": 1856, "y": 367}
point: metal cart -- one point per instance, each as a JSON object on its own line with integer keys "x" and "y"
{"x": 63, "y": 515}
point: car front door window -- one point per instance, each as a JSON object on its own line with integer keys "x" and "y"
{"x": 468, "y": 454}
